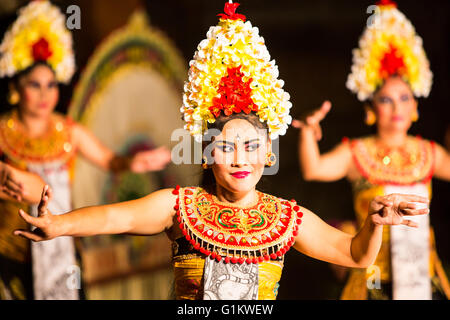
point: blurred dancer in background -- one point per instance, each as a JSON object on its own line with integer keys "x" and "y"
{"x": 229, "y": 239}
{"x": 390, "y": 71}
{"x": 36, "y": 55}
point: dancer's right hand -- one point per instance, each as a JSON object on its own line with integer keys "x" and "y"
{"x": 151, "y": 160}
{"x": 9, "y": 184}
{"x": 312, "y": 120}
{"x": 45, "y": 222}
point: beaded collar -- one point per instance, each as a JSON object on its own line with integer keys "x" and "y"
{"x": 253, "y": 234}
{"x": 412, "y": 163}
{"x": 55, "y": 145}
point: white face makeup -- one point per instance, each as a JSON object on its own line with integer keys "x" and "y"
{"x": 394, "y": 105}
{"x": 39, "y": 92}
{"x": 238, "y": 154}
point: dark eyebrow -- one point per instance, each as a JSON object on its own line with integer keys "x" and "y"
{"x": 252, "y": 140}
{"x": 382, "y": 96}
{"x": 232, "y": 143}
{"x": 225, "y": 142}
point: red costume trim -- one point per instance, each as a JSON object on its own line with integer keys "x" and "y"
{"x": 263, "y": 231}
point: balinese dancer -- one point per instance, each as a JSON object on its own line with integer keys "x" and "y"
{"x": 36, "y": 54}
{"x": 390, "y": 71}
{"x": 229, "y": 239}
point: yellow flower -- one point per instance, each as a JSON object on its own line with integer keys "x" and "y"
{"x": 37, "y": 20}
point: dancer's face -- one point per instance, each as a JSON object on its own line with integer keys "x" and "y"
{"x": 239, "y": 153}
{"x": 38, "y": 90}
{"x": 394, "y": 105}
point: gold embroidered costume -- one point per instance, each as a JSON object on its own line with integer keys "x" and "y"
{"x": 413, "y": 164}
{"x": 259, "y": 234}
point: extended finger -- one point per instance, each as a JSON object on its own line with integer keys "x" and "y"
{"x": 12, "y": 194}
{"x": 324, "y": 109}
{"x": 42, "y": 207}
{"x": 49, "y": 193}
{"x": 407, "y": 205}
{"x": 18, "y": 184}
{"x": 44, "y": 190}
{"x": 28, "y": 235}
{"x": 412, "y": 198}
{"x": 297, "y": 124}
{"x": 410, "y": 223}
{"x": 415, "y": 212}
{"x": 30, "y": 219}
{"x": 13, "y": 186}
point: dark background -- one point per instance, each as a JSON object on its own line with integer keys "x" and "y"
{"x": 311, "y": 42}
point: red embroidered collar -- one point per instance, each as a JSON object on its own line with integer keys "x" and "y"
{"x": 253, "y": 234}
{"x": 412, "y": 163}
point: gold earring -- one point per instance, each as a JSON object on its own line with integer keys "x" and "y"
{"x": 271, "y": 159}
{"x": 415, "y": 116}
{"x": 371, "y": 118}
{"x": 205, "y": 162}
{"x": 13, "y": 97}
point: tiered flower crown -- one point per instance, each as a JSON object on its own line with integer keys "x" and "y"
{"x": 389, "y": 47}
{"x": 38, "y": 34}
{"x": 231, "y": 73}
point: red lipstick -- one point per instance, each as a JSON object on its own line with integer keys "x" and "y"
{"x": 240, "y": 174}
{"x": 397, "y": 118}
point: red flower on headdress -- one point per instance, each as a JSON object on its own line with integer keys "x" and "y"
{"x": 230, "y": 12}
{"x": 41, "y": 50}
{"x": 387, "y": 3}
{"x": 392, "y": 63}
{"x": 235, "y": 94}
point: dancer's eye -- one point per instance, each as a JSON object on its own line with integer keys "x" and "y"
{"x": 226, "y": 148}
{"x": 34, "y": 84}
{"x": 405, "y": 97}
{"x": 252, "y": 147}
{"x": 384, "y": 100}
{"x": 53, "y": 84}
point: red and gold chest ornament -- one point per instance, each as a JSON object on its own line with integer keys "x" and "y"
{"x": 55, "y": 145}
{"x": 38, "y": 35}
{"x": 254, "y": 234}
{"x": 410, "y": 164}
{"x": 389, "y": 46}
{"x": 232, "y": 73}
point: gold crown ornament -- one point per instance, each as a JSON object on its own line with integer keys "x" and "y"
{"x": 231, "y": 72}
{"x": 389, "y": 46}
{"x": 38, "y": 35}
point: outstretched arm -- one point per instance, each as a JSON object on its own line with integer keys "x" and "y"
{"x": 149, "y": 215}
{"x": 19, "y": 185}
{"x": 92, "y": 149}
{"x": 442, "y": 169}
{"x": 319, "y": 240}
{"x": 330, "y": 166}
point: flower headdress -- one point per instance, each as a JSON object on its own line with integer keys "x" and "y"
{"x": 231, "y": 73}
{"x": 38, "y": 34}
{"x": 390, "y": 46}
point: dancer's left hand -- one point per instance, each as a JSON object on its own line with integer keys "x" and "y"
{"x": 391, "y": 209}
{"x": 9, "y": 184}
{"x": 152, "y": 160}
